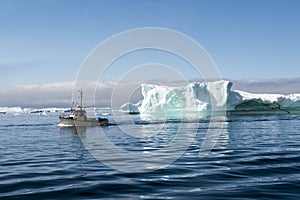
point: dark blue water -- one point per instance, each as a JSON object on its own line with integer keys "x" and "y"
{"x": 256, "y": 157}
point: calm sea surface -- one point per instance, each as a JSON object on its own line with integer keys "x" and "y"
{"x": 256, "y": 157}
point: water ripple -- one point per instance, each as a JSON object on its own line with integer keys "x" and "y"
{"x": 255, "y": 158}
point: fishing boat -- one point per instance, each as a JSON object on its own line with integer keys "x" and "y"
{"x": 78, "y": 117}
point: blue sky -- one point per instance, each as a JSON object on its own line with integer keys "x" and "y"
{"x": 46, "y": 41}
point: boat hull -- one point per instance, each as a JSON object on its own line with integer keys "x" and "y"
{"x": 66, "y": 122}
{"x": 88, "y": 122}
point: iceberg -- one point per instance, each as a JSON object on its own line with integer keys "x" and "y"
{"x": 286, "y": 101}
{"x": 131, "y": 108}
{"x": 201, "y": 98}
{"x": 195, "y": 99}
{"x": 11, "y": 110}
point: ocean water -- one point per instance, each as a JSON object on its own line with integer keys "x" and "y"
{"x": 255, "y": 157}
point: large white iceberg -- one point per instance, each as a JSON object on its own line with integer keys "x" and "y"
{"x": 180, "y": 102}
{"x": 201, "y": 98}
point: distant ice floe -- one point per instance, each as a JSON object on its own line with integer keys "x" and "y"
{"x": 200, "y": 98}
{"x": 19, "y": 110}
{"x": 11, "y": 110}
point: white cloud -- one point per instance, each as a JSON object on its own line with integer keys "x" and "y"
{"x": 37, "y": 95}
{"x": 281, "y": 86}
{"x": 60, "y": 94}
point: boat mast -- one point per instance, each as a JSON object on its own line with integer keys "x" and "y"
{"x": 81, "y": 93}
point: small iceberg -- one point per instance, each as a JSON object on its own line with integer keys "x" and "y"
{"x": 131, "y": 108}
{"x": 11, "y": 110}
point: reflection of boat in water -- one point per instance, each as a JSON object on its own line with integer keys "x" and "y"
{"x": 78, "y": 117}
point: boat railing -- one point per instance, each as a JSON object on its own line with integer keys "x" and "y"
{"x": 65, "y": 114}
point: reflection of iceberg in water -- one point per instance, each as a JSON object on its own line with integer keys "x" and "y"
{"x": 155, "y": 147}
{"x": 217, "y": 136}
{"x": 201, "y": 99}
{"x": 147, "y": 152}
